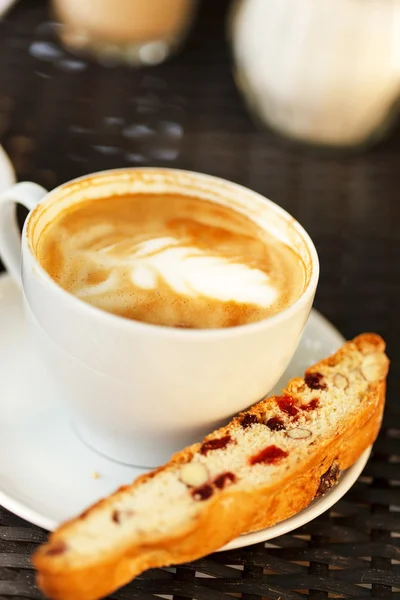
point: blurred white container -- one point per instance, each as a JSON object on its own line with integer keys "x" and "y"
{"x": 325, "y": 72}
{"x": 139, "y": 32}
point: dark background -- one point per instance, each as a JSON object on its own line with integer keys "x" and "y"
{"x": 62, "y": 117}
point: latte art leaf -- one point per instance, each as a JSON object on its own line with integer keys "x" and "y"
{"x": 187, "y": 270}
{"x": 190, "y": 272}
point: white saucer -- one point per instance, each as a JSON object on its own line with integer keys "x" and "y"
{"x": 50, "y": 475}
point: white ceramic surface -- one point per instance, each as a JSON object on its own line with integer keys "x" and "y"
{"x": 139, "y": 392}
{"x": 49, "y": 474}
{"x": 7, "y": 175}
{"x": 5, "y": 5}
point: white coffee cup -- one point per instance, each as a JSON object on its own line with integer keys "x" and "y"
{"x": 138, "y": 392}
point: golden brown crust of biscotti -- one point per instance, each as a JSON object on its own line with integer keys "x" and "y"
{"x": 226, "y": 515}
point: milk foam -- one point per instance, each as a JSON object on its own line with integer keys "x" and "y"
{"x": 172, "y": 260}
{"x": 188, "y": 271}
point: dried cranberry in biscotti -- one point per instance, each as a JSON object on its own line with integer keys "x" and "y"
{"x": 203, "y": 493}
{"x": 312, "y": 405}
{"x": 215, "y": 444}
{"x": 248, "y": 420}
{"x": 224, "y": 479}
{"x": 268, "y": 456}
{"x": 275, "y": 424}
{"x": 315, "y": 381}
{"x": 287, "y": 405}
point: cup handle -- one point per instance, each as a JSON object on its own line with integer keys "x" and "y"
{"x": 29, "y": 195}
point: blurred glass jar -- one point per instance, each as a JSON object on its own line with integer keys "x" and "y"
{"x": 137, "y": 32}
{"x": 324, "y": 72}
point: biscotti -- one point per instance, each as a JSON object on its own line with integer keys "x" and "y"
{"x": 266, "y": 465}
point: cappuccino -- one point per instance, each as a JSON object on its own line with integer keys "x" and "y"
{"x": 171, "y": 260}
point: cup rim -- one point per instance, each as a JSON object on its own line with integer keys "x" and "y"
{"x": 165, "y": 330}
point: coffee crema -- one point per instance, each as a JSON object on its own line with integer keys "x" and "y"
{"x": 170, "y": 260}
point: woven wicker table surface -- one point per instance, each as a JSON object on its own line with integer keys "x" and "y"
{"x": 61, "y": 117}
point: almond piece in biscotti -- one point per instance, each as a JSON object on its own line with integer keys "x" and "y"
{"x": 194, "y": 474}
{"x": 298, "y": 433}
{"x": 121, "y": 516}
{"x": 374, "y": 366}
{"x": 340, "y": 381}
